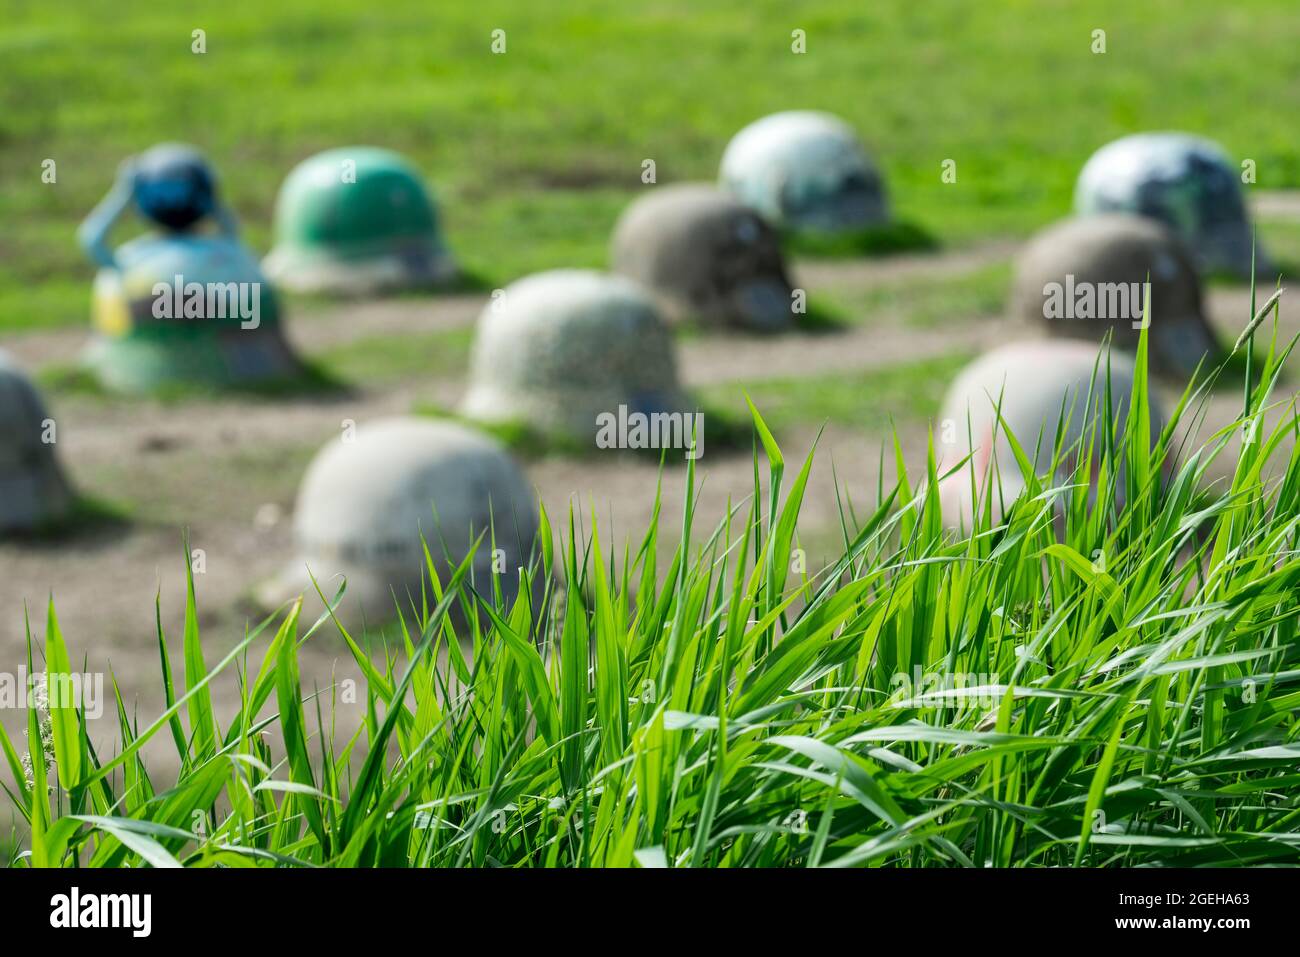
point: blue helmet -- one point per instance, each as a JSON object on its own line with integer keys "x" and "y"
{"x": 174, "y": 186}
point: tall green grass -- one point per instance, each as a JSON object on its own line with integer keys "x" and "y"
{"x": 727, "y": 706}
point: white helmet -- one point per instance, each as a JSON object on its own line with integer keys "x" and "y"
{"x": 805, "y": 171}
{"x": 558, "y": 349}
{"x": 1184, "y": 181}
{"x": 365, "y": 503}
{"x": 33, "y": 491}
{"x": 1035, "y": 386}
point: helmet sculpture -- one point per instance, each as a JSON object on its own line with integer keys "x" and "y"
{"x": 368, "y": 505}
{"x": 805, "y": 171}
{"x": 357, "y": 220}
{"x": 181, "y": 305}
{"x": 1184, "y": 181}
{"x": 1088, "y": 276}
{"x": 1035, "y": 387}
{"x": 559, "y": 349}
{"x": 707, "y": 257}
{"x": 33, "y": 491}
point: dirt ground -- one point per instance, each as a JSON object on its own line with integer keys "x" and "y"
{"x": 228, "y": 470}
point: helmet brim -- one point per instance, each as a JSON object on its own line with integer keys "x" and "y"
{"x": 141, "y": 363}
{"x": 1179, "y": 347}
{"x": 33, "y": 499}
{"x": 1231, "y": 249}
{"x": 315, "y": 272}
{"x": 763, "y": 305}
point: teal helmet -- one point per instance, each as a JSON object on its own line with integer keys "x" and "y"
{"x": 1184, "y": 181}
{"x": 186, "y": 309}
{"x": 805, "y": 171}
{"x": 357, "y": 220}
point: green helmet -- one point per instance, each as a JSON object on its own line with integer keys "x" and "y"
{"x": 805, "y": 171}
{"x": 33, "y": 491}
{"x": 1087, "y": 276}
{"x": 370, "y": 502}
{"x": 1184, "y": 181}
{"x": 559, "y": 349}
{"x": 707, "y": 256}
{"x": 1033, "y": 387}
{"x": 186, "y": 309}
{"x": 355, "y": 221}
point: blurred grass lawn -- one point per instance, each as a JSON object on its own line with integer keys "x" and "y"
{"x": 534, "y": 152}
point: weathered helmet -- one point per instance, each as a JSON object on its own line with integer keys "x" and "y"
{"x": 370, "y": 502}
{"x": 1184, "y": 181}
{"x": 354, "y": 221}
{"x": 1087, "y": 276}
{"x": 707, "y": 256}
{"x": 1035, "y": 386}
{"x": 558, "y": 349}
{"x": 174, "y": 185}
{"x": 186, "y": 309}
{"x": 33, "y": 491}
{"x": 805, "y": 170}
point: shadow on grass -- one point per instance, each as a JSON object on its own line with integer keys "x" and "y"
{"x": 464, "y": 282}
{"x": 90, "y": 520}
{"x": 889, "y": 239}
{"x": 725, "y": 433}
{"x": 819, "y": 317}
{"x": 312, "y": 380}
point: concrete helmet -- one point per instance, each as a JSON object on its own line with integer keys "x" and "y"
{"x": 174, "y": 186}
{"x": 1035, "y": 386}
{"x": 805, "y": 171}
{"x": 1184, "y": 181}
{"x": 1087, "y": 276}
{"x": 354, "y": 221}
{"x": 559, "y": 349}
{"x": 707, "y": 257}
{"x": 368, "y": 504}
{"x": 33, "y": 491}
{"x": 186, "y": 309}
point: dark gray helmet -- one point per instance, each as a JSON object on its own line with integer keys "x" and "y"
{"x": 707, "y": 256}
{"x": 1087, "y": 276}
{"x": 1184, "y": 181}
{"x": 33, "y": 491}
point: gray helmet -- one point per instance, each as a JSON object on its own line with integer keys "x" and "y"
{"x": 1087, "y": 276}
{"x": 805, "y": 170}
{"x": 1184, "y": 181}
{"x": 706, "y": 255}
{"x": 1035, "y": 385}
{"x": 33, "y": 491}
{"x": 365, "y": 502}
{"x": 558, "y": 349}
